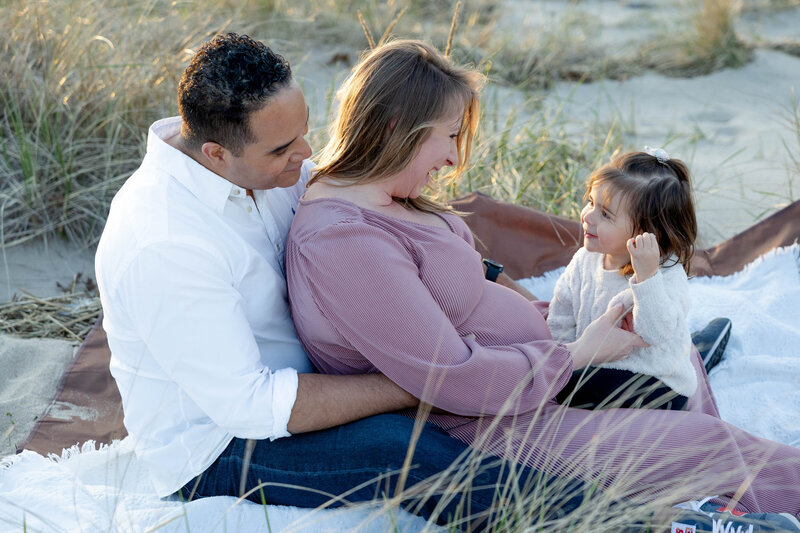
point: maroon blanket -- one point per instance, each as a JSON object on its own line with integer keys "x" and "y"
{"x": 528, "y": 243}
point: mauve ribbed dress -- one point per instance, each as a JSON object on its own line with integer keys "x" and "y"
{"x": 373, "y": 293}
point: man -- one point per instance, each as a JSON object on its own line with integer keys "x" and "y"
{"x": 191, "y": 276}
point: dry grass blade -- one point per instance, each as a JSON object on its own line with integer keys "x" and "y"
{"x": 787, "y": 47}
{"x": 69, "y": 316}
{"x": 370, "y": 39}
{"x": 452, "y": 32}
{"x": 392, "y": 24}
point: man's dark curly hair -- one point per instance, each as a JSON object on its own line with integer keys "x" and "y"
{"x": 229, "y": 78}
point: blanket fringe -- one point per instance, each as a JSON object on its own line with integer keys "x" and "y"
{"x": 78, "y": 449}
{"x": 66, "y": 454}
{"x": 793, "y": 248}
{"x": 796, "y": 247}
{"x": 10, "y": 460}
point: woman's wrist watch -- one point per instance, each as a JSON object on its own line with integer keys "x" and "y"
{"x": 493, "y": 269}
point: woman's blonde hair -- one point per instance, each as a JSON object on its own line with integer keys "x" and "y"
{"x": 388, "y": 105}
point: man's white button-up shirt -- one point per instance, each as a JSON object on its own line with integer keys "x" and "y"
{"x": 191, "y": 276}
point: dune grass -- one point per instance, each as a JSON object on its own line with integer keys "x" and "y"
{"x": 85, "y": 79}
{"x": 712, "y": 43}
{"x": 793, "y": 148}
{"x": 701, "y": 43}
{"x": 536, "y": 162}
{"x": 70, "y": 316}
{"x": 78, "y": 95}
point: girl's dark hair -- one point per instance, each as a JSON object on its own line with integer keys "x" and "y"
{"x": 658, "y": 198}
{"x": 228, "y": 79}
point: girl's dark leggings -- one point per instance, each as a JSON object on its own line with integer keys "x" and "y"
{"x": 604, "y": 388}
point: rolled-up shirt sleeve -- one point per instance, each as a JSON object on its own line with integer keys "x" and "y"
{"x": 283, "y": 398}
{"x": 193, "y": 321}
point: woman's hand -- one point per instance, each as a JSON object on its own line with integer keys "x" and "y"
{"x": 604, "y": 340}
{"x": 645, "y": 255}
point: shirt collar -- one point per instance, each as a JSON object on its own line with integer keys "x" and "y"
{"x": 210, "y": 188}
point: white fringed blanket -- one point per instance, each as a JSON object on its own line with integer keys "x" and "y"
{"x": 757, "y": 387}
{"x": 106, "y": 489}
{"x": 757, "y": 384}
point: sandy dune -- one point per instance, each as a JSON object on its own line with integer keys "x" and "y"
{"x": 731, "y": 127}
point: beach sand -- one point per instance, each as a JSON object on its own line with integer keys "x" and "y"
{"x": 732, "y": 127}
{"x": 32, "y": 368}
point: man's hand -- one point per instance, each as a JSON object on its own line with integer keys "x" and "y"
{"x": 506, "y": 281}
{"x": 604, "y": 341}
{"x": 645, "y": 255}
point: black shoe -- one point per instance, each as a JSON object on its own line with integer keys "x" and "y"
{"x": 711, "y": 341}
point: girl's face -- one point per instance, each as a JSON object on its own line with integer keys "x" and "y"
{"x": 437, "y": 151}
{"x": 607, "y": 226}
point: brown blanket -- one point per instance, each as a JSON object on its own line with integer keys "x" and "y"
{"x": 528, "y": 243}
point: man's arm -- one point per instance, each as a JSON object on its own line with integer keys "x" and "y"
{"x": 506, "y": 281}
{"x": 325, "y": 401}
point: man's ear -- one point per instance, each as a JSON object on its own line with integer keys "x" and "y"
{"x": 216, "y": 156}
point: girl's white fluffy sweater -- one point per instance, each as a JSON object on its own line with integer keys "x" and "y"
{"x": 660, "y": 308}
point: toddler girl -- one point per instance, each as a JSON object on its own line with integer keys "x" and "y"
{"x": 639, "y": 230}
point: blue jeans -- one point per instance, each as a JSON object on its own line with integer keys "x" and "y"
{"x": 369, "y": 454}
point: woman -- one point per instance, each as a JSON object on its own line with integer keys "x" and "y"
{"x": 383, "y": 278}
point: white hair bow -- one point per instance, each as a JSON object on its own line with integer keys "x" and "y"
{"x": 658, "y": 153}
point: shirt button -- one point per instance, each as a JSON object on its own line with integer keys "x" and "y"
{"x": 278, "y": 247}
{"x": 237, "y": 191}
{"x": 249, "y": 209}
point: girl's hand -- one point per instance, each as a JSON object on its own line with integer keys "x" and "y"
{"x": 604, "y": 340}
{"x": 645, "y": 255}
{"x": 627, "y": 322}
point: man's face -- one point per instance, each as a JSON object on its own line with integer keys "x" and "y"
{"x": 276, "y": 156}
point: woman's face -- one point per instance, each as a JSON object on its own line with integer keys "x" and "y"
{"x": 437, "y": 151}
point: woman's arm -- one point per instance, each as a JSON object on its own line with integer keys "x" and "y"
{"x": 604, "y": 340}
{"x": 367, "y": 286}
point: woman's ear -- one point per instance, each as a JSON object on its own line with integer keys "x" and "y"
{"x": 389, "y": 129}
